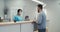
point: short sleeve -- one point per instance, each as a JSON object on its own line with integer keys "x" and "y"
{"x": 14, "y": 18}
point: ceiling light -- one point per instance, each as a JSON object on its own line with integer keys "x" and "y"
{"x": 39, "y": 2}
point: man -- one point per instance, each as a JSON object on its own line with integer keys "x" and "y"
{"x": 41, "y": 19}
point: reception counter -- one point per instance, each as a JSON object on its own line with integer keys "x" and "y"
{"x": 22, "y": 26}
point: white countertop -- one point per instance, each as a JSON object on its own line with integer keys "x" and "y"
{"x": 18, "y": 22}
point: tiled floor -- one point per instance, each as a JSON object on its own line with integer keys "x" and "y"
{"x": 46, "y": 30}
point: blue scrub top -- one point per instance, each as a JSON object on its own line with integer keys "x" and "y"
{"x": 18, "y": 18}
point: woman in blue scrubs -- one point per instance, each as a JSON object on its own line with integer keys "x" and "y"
{"x": 18, "y": 16}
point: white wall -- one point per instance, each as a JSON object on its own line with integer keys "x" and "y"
{"x": 29, "y": 8}
{"x": 53, "y": 11}
{"x": 1, "y": 8}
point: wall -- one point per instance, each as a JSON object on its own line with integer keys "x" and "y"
{"x": 53, "y": 11}
{"x": 29, "y": 8}
{"x": 1, "y": 8}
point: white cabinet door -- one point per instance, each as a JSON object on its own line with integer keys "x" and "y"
{"x": 10, "y": 28}
{"x": 28, "y": 27}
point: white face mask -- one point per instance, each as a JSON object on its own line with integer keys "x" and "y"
{"x": 20, "y": 12}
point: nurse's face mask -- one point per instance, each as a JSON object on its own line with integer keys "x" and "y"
{"x": 20, "y": 13}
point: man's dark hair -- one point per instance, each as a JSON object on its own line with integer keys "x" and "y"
{"x": 19, "y": 10}
{"x": 40, "y": 6}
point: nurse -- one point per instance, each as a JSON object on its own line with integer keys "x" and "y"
{"x": 18, "y": 16}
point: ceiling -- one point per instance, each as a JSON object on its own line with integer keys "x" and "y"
{"x": 47, "y": 1}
